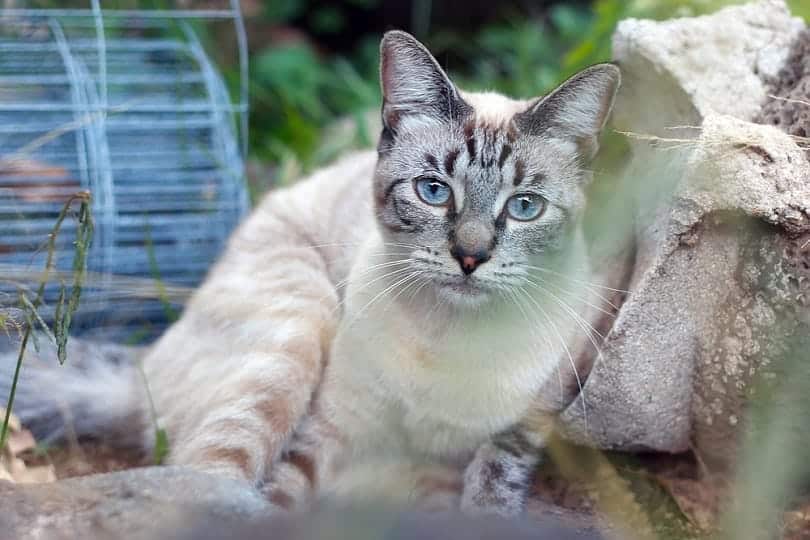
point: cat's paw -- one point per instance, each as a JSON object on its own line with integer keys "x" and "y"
{"x": 288, "y": 489}
{"x": 496, "y": 483}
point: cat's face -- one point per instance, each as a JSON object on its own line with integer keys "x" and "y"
{"x": 477, "y": 189}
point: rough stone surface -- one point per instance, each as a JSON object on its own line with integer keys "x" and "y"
{"x": 683, "y": 69}
{"x": 788, "y": 103}
{"x": 720, "y": 284}
{"x": 139, "y": 503}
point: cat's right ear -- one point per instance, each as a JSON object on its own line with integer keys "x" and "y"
{"x": 414, "y": 86}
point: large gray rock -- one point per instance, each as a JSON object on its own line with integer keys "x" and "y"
{"x": 678, "y": 71}
{"x": 721, "y": 280}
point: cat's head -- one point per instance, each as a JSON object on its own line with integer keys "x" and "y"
{"x": 481, "y": 187}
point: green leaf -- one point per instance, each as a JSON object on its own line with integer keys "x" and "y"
{"x": 161, "y": 446}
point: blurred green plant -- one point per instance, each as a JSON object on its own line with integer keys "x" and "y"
{"x": 296, "y": 93}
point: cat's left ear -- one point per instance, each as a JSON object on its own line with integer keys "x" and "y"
{"x": 577, "y": 110}
{"x": 414, "y": 86}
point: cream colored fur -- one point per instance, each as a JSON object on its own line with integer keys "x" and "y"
{"x": 410, "y": 378}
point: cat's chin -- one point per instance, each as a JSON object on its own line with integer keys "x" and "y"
{"x": 463, "y": 293}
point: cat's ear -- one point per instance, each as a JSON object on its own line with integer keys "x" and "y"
{"x": 414, "y": 86}
{"x": 577, "y": 110}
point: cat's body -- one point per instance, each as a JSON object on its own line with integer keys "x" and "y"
{"x": 438, "y": 282}
{"x": 423, "y": 390}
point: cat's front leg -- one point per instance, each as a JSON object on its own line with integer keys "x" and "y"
{"x": 499, "y": 478}
{"x": 311, "y": 460}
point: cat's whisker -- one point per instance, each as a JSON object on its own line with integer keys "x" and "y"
{"x": 531, "y": 322}
{"x": 440, "y": 301}
{"x": 567, "y": 307}
{"x": 575, "y": 280}
{"x": 343, "y": 282}
{"x": 382, "y": 293}
{"x": 371, "y": 282}
{"x": 377, "y": 255}
{"x": 553, "y": 326}
{"x": 574, "y": 295}
{"x": 417, "y": 280}
{"x": 360, "y": 243}
{"x": 593, "y": 288}
{"x": 415, "y": 292}
{"x": 586, "y": 326}
{"x": 568, "y": 293}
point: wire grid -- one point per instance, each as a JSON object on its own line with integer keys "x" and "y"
{"x": 126, "y": 105}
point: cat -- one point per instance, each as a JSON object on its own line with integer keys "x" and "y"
{"x": 386, "y": 326}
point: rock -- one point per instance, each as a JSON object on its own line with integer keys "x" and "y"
{"x": 174, "y": 502}
{"x": 678, "y": 71}
{"x": 788, "y": 103}
{"x": 139, "y": 503}
{"x": 721, "y": 281}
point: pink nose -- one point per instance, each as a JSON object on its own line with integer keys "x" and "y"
{"x": 469, "y": 264}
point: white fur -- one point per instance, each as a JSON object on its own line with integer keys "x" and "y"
{"x": 400, "y": 384}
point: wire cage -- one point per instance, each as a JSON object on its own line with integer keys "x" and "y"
{"x": 128, "y": 106}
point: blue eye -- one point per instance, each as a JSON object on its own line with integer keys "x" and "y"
{"x": 525, "y": 206}
{"x": 432, "y": 191}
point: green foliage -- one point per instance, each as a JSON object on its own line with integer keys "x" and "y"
{"x": 296, "y": 94}
{"x": 520, "y": 57}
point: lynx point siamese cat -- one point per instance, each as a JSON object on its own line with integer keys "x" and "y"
{"x": 461, "y": 250}
{"x": 458, "y": 305}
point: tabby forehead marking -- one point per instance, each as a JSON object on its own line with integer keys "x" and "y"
{"x": 450, "y": 161}
{"x": 506, "y": 149}
{"x": 488, "y": 144}
{"x": 520, "y": 172}
{"x": 469, "y": 134}
{"x": 431, "y": 160}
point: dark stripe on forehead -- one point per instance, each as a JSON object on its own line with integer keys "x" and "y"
{"x": 488, "y": 150}
{"x": 520, "y": 172}
{"x": 505, "y": 151}
{"x": 539, "y": 178}
{"x": 450, "y": 162}
{"x": 469, "y": 134}
{"x": 431, "y": 160}
{"x": 511, "y": 133}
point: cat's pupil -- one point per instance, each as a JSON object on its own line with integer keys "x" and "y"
{"x": 524, "y": 204}
{"x": 434, "y": 187}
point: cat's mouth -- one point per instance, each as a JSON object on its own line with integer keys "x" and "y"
{"x": 464, "y": 288}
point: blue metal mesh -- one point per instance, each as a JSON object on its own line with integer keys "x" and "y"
{"x": 128, "y": 106}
